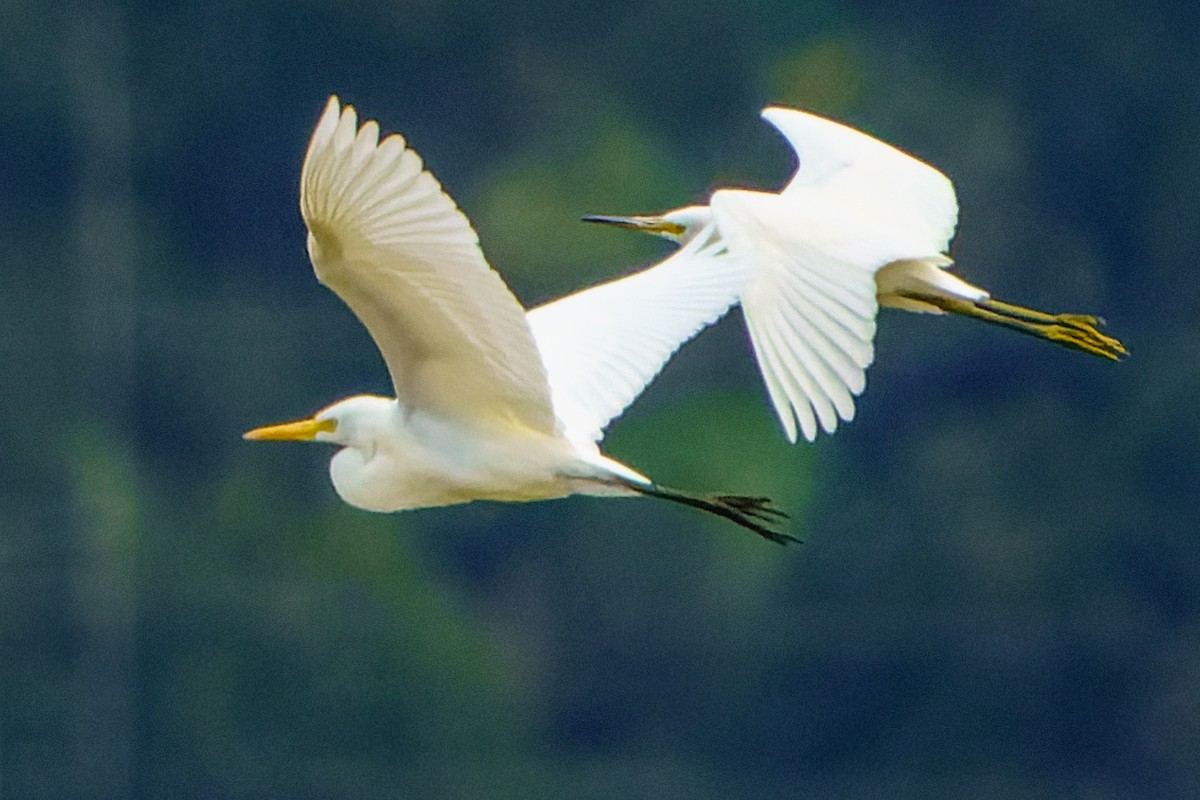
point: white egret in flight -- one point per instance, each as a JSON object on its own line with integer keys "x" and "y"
{"x": 492, "y": 403}
{"x": 860, "y": 224}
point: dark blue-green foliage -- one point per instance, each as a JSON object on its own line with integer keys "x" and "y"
{"x": 999, "y": 590}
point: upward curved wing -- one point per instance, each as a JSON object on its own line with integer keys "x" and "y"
{"x": 386, "y": 238}
{"x": 875, "y": 177}
{"x": 601, "y": 346}
{"x": 810, "y": 306}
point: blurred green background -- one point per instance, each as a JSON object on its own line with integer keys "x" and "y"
{"x": 999, "y": 590}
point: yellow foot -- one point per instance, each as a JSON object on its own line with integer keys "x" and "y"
{"x": 1087, "y": 339}
{"x": 1077, "y": 331}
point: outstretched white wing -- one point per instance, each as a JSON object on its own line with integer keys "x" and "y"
{"x": 386, "y": 238}
{"x": 810, "y": 304}
{"x": 881, "y": 181}
{"x": 602, "y": 345}
{"x": 854, "y": 205}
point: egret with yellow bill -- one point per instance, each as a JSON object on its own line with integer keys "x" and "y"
{"x": 493, "y": 402}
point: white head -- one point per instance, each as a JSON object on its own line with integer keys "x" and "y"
{"x": 679, "y": 226}
{"x": 356, "y": 422}
{"x": 360, "y": 424}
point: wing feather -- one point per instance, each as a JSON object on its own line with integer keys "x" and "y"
{"x": 858, "y": 168}
{"x": 810, "y": 305}
{"x": 827, "y": 340}
{"x": 796, "y": 335}
{"x": 397, "y": 250}
{"x": 800, "y": 398}
{"x": 601, "y": 346}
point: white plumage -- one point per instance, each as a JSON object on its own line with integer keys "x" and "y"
{"x": 860, "y": 224}
{"x": 386, "y": 238}
{"x": 491, "y": 402}
{"x": 499, "y": 404}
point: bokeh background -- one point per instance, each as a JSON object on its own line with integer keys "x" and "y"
{"x": 999, "y": 590}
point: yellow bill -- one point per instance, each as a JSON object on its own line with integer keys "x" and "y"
{"x": 304, "y": 430}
